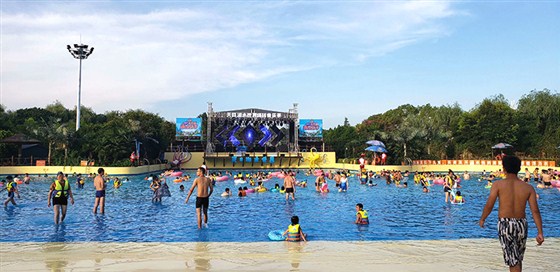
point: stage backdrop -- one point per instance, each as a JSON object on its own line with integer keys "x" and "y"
{"x": 311, "y": 128}
{"x": 188, "y": 127}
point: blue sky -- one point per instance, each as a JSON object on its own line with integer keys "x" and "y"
{"x": 336, "y": 59}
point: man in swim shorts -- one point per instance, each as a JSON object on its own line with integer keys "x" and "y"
{"x": 99, "y": 184}
{"x": 59, "y": 193}
{"x": 289, "y": 185}
{"x": 513, "y": 195}
{"x": 204, "y": 191}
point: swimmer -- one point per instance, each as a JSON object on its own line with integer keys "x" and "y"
{"x": 294, "y": 232}
{"x": 182, "y": 188}
{"x": 425, "y": 189}
{"x": 226, "y": 192}
{"x": 241, "y": 192}
{"x": 11, "y": 187}
{"x": 362, "y": 217}
{"x": 343, "y": 183}
{"x": 458, "y": 198}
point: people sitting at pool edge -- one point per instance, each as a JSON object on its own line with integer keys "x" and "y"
{"x": 458, "y": 198}
{"x": 294, "y": 232}
{"x": 362, "y": 217}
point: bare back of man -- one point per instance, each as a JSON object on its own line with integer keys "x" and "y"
{"x": 289, "y": 185}
{"x": 513, "y": 195}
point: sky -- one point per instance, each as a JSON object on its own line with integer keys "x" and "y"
{"x": 335, "y": 59}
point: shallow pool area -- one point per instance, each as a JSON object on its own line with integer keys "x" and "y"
{"x": 395, "y": 214}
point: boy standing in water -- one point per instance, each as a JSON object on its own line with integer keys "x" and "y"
{"x": 204, "y": 191}
{"x": 99, "y": 184}
{"x": 11, "y": 187}
{"x": 362, "y": 217}
{"x": 513, "y": 195}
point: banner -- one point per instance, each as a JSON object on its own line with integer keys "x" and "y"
{"x": 188, "y": 127}
{"x": 311, "y": 128}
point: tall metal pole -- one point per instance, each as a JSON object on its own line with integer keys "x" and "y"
{"x": 79, "y": 51}
{"x": 78, "y": 107}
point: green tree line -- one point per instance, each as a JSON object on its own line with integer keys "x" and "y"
{"x": 107, "y": 139}
{"x": 449, "y": 132}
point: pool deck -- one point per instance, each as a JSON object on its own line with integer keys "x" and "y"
{"x": 394, "y": 256}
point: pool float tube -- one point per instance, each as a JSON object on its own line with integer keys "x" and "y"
{"x": 274, "y": 190}
{"x": 280, "y": 176}
{"x": 317, "y": 172}
{"x": 222, "y": 178}
{"x": 274, "y": 174}
{"x": 282, "y": 191}
{"x": 276, "y": 235}
{"x": 488, "y": 186}
{"x": 19, "y": 181}
{"x": 178, "y": 180}
{"x": 457, "y": 203}
{"x": 261, "y": 190}
{"x": 263, "y": 180}
{"x": 176, "y": 174}
{"x": 555, "y": 183}
{"x": 438, "y": 181}
{"x": 250, "y": 190}
{"x": 239, "y": 181}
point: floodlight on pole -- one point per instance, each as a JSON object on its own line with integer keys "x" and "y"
{"x": 79, "y": 51}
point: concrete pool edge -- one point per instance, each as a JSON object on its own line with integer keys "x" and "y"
{"x": 410, "y": 255}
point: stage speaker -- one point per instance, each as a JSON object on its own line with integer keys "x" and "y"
{"x": 292, "y": 129}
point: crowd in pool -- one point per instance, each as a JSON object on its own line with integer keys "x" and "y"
{"x": 325, "y": 181}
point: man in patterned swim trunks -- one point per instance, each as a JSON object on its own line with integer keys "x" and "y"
{"x": 513, "y": 195}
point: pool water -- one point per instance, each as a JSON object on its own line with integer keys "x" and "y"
{"x": 130, "y": 216}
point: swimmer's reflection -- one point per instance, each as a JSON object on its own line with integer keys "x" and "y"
{"x": 59, "y": 233}
{"x": 201, "y": 257}
{"x": 294, "y": 253}
{"x": 56, "y": 263}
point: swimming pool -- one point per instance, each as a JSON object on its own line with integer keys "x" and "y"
{"x": 395, "y": 214}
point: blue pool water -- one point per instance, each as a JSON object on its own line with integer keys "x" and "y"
{"x": 395, "y": 214}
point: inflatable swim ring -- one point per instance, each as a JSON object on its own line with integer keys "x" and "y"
{"x": 459, "y": 203}
{"x": 239, "y": 181}
{"x": 222, "y": 178}
{"x": 488, "y": 186}
{"x": 274, "y": 190}
{"x": 250, "y": 190}
{"x": 176, "y": 174}
{"x": 276, "y": 235}
{"x": 178, "y": 180}
{"x": 261, "y": 190}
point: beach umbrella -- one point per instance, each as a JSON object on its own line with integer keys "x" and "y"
{"x": 376, "y": 148}
{"x": 375, "y": 142}
{"x": 502, "y": 146}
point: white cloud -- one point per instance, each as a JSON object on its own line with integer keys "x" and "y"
{"x": 142, "y": 58}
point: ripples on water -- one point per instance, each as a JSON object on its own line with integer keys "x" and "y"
{"x": 395, "y": 214}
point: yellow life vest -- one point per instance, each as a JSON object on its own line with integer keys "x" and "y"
{"x": 10, "y": 186}
{"x": 59, "y": 191}
{"x": 364, "y": 215}
{"x": 293, "y": 233}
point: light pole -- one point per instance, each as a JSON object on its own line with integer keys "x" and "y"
{"x": 79, "y": 51}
